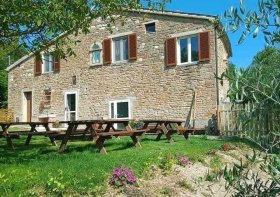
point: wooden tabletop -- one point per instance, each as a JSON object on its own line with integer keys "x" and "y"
{"x": 100, "y": 121}
{"x": 23, "y": 123}
{"x": 162, "y": 120}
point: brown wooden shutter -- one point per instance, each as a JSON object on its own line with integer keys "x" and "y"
{"x": 56, "y": 67}
{"x": 132, "y": 46}
{"x": 37, "y": 66}
{"x": 171, "y": 52}
{"x": 107, "y": 51}
{"x": 204, "y": 46}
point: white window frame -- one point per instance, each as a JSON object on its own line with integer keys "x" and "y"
{"x": 65, "y": 103}
{"x": 43, "y": 64}
{"x": 116, "y": 108}
{"x": 91, "y": 53}
{"x": 122, "y": 45}
{"x": 189, "y": 62}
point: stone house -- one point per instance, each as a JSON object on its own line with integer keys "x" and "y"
{"x": 156, "y": 65}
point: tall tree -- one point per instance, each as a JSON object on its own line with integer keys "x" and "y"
{"x": 260, "y": 82}
{"x": 8, "y": 54}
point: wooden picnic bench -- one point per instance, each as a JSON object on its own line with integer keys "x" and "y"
{"x": 100, "y": 130}
{"x": 167, "y": 128}
{"x": 32, "y": 131}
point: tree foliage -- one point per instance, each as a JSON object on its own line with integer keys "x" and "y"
{"x": 265, "y": 19}
{"x": 260, "y": 82}
{"x": 8, "y": 54}
{"x": 37, "y": 23}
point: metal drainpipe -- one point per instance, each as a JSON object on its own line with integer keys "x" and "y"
{"x": 217, "y": 80}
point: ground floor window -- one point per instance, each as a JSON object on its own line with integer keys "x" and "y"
{"x": 120, "y": 109}
{"x": 70, "y": 106}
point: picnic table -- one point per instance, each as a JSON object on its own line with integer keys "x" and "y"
{"x": 167, "y": 128}
{"x": 5, "y": 133}
{"x": 99, "y": 130}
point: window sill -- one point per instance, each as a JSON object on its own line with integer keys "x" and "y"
{"x": 120, "y": 62}
{"x": 147, "y": 32}
{"x": 92, "y": 65}
{"x": 46, "y": 73}
{"x": 188, "y": 64}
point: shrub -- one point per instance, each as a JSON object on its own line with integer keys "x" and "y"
{"x": 249, "y": 183}
{"x": 212, "y": 176}
{"x": 183, "y": 161}
{"x": 122, "y": 176}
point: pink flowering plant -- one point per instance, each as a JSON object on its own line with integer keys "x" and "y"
{"x": 183, "y": 161}
{"x": 122, "y": 176}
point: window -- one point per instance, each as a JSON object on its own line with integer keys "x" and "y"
{"x": 48, "y": 63}
{"x": 150, "y": 27}
{"x": 120, "y": 109}
{"x": 188, "y": 49}
{"x": 96, "y": 53}
{"x": 120, "y": 49}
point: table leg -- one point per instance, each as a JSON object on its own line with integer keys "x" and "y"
{"x": 66, "y": 137}
{"x": 6, "y": 135}
{"x": 136, "y": 141}
{"x": 52, "y": 139}
{"x": 159, "y": 136}
{"x": 167, "y": 133}
{"x": 10, "y": 143}
{"x": 93, "y": 131}
{"x": 29, "y": 137}
{"x": 108, "y": 126}
{"x": 88, "y": 126}
{"x": 186, "y": 135}
{"x": 100, "y": 145}
{"x": 127, "y": 127}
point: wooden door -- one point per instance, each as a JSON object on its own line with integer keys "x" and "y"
{"x": 28, "y": 96}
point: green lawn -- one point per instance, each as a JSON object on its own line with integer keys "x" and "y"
{"x": 81, "y": 169}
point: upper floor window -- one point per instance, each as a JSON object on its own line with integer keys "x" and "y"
{"x": 120, "y": 49}
{"x": 150, "y": 27}
{"x": 48, "y": 63}
{"x": 188, "y": 49}
{"x": 96, "y": 53}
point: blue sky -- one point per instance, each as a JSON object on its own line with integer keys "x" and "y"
{"x": 243, "y": 53}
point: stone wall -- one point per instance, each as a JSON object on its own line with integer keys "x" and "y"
{"x": 154, "y": 90}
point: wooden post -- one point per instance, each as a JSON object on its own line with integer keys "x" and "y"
{"x": 194, "y": 109}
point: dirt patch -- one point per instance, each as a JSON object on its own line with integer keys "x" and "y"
{"x": 197, "y": 179}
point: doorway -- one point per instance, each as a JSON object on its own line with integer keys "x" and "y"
{"x": 71, "y": 106}
{"x": 28, "y": 106}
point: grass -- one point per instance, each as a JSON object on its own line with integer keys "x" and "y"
{"x": 40, "y": 169}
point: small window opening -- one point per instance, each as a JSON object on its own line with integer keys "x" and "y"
{"x": 150, "y": 27}
{"x": 47, "y": 97}
{"x": 74, "y": 80}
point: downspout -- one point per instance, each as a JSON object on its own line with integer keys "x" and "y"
{"x": 217, "y": 80}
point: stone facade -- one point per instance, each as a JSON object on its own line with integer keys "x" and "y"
{"x": 154, "y": 90}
